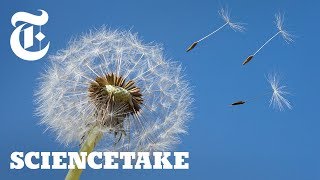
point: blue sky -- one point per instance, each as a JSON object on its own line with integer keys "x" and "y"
{"x": 248, "y": 142}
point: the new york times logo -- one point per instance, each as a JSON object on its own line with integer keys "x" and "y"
{"x": 26, "y": 33}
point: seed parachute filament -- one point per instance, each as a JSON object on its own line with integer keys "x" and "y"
{"x": 225, "y": 15}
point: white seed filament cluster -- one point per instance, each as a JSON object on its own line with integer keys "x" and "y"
{"x": 111, "y": 80}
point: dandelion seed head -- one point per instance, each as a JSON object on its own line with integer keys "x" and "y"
{"x": 278, "y": 101}
{"x": 279, "y": 22}
{"x": 112, "y": 79}
{"x": 236, "y": 26}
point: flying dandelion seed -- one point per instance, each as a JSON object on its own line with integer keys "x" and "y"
{"x": 108, "y": 90}
{"x": 277, "y": 101}
{"x": 286, "y": 36}
{"x": 225, "y": 14}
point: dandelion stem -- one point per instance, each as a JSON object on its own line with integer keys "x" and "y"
{"x": 251, "y": 99}
{"x": 93, "y": 138}
{"x": 259, "y": 96}
{"x": 213, "y": 32}
{"x": 267, "y": 42}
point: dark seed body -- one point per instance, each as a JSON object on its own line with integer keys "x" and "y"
{"x": 192, "y": 46}
{"x": 247, "y": 60}
{"x": 237, "y": 103}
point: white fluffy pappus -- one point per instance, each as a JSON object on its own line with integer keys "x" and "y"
{"x": 64, "y": 105}
{"x": 278, "y": 100}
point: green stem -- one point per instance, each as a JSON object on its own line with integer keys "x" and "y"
{"x": 92, "y": 140}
